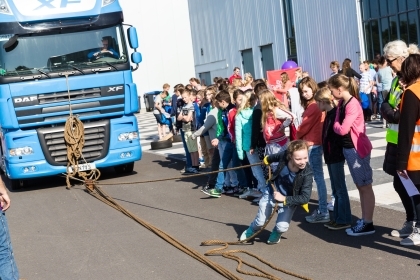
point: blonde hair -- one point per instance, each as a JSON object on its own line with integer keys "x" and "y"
{"x": 268, "y": 103}
{"x": 399, "y": 48}
{"x": 248, "y": 79}
{"x": 324, "y": 95}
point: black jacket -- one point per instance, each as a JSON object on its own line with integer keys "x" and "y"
{"x": 410, "y": 115}
{"x": 257, "y": 137}
{"x": 302, "y": 185}
{"x": 331, "y": 141}
{"x": 350, "y": 73}
{"x": 391, "y": 116}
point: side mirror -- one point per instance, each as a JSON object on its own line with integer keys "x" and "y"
{"x": 136, "y": 58}
{"x": 132, "y": 38}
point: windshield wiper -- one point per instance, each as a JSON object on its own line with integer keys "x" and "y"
{"x": 77, "y": 68}
{"x": 43, "y": 72}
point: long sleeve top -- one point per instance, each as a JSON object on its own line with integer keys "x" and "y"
{"x": 410, "y": 113}
{"x": 210, "y": 124}
{"x": 310, "y": 129}
{"x": 355, "y": 124}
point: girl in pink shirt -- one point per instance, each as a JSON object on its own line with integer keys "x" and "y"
{"x": 350, "y": 124}
{"x": 281, "y": 94}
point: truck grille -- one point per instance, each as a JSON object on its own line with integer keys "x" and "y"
{"x": 54, "y": 107}
{"x": 54, "y": 147}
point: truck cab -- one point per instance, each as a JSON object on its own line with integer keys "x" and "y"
{"x": 60, "y": 58}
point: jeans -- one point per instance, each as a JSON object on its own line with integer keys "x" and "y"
{"x": 215, "y": 164}
{"x": 379, "y": 102}
{"x": 315, "y": 160}
{"x": 229, "y": 154}
{"x": 187, "y": 153}
{"x": 257, "y": 170}
{"x": 342, "y": 211}
{"x": 8, "y": 268}
{"x": 265, "y": 209}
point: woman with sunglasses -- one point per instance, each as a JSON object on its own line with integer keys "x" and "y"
{"x": 395, "y": 53}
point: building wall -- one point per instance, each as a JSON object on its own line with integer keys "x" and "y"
{"x": 163, "y": 29}
{"x": 222, "y": 28}
{"x": 326, "y": 31}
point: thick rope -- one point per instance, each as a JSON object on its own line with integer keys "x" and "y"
{"x": 74, "y": 136}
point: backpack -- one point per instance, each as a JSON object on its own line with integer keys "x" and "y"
{"x": 364, "y": 100}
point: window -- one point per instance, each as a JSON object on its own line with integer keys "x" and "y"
{"x": 383, "y": 7}
{"x": 385, "y": 30}
{"x": 290, "y": 30}
{"x": 403, "y": 28}
{"x": 412, "y": 27}
{"x": 411, "y": 4}
{"x": 368, "y": 40}
{"x": 402, "y": 5}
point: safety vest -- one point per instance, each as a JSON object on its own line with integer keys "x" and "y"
{"x": 394, "y": 100}
{"x": 414, "y": 157}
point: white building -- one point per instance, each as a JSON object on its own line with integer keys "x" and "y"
{"x": 164, "y": 33}
{"x": 261, "y": 35}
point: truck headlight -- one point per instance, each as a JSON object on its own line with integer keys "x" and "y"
{"x": 4, "y": 7}
{"x": 24, "y": 151}
{"x": 107, "y": 2}
{"x": 128, "y": 136}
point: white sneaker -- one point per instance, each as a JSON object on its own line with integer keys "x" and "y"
{"x": 413, "y": 239}
{"x": 252, "y": 193}
{"x": 405, "y": 231}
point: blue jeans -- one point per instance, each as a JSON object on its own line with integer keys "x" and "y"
{"x": 315, "y": 160}
{"x": 342, "y": 211}
{"x": 257, "y": 170}
{"x": 265, "y": 209}
{"x": 379, "y": 102}
{"x": 187, "y": 153}
{"x": 8, "y": 268}
{"x": 229, "y": 154}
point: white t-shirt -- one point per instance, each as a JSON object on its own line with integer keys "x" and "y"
{"x": 158, "y": 102}
{"x": 364, "y": 83}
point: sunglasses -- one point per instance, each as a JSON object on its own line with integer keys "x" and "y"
{"x": 389, "y": 61}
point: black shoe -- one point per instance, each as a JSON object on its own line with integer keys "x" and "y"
{"x": 362, "y": 229}
{"x": 207, "y": 188}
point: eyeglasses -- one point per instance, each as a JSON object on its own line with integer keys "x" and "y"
{"x": 389, "y": 61}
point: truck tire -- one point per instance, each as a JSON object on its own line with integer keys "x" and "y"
{"x": 163, "y": 144}
{"x": 124, "y": 168}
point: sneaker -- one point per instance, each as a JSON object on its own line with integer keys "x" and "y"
{"x": 412, "y": 239}
{"x": 257, "y": 200}
{"x": 251, "y": 193}
{"x": 190, "y": 170}
{"x": 362, "y": 229}
{"x": 405, "y": 231}
{"x": 246, "y": 234}
{"x": 230, "y": 190}
{"x": 335, "y": 226}
{"x": 357, "y": 224}
{"x": 206, "y": 189}
{"x": 238, "y": 191}
{"x": 331, "y": 222}
{"x": 214, "y": 193}
{"x": 274, "y": 238}
{"x": 318, "y": 217}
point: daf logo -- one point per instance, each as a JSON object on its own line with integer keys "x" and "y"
{"x": 115, "y": 88}
{"x": 25, "y": 99}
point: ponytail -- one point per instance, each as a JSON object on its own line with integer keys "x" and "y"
{"x": 346, "y": 83}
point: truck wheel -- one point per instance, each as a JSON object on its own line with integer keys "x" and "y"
{"x": 163, "y": 144}
{"x": 124, "y": 168}
{"x": 16, "y": 184}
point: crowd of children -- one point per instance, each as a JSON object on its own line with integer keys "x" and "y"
{"x": 233, "y": 123}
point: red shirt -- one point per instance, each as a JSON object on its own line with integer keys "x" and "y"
{"x": 234, "y": 76}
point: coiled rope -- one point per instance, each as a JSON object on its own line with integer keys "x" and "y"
{"x": 74, "y": 138}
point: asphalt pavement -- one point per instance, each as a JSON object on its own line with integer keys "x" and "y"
{"x": 68, "y": 234}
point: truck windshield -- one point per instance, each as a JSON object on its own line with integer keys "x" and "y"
{"x": 50, "y": 53}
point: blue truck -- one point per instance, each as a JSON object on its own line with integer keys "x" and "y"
{"x": 63, "y": 57}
